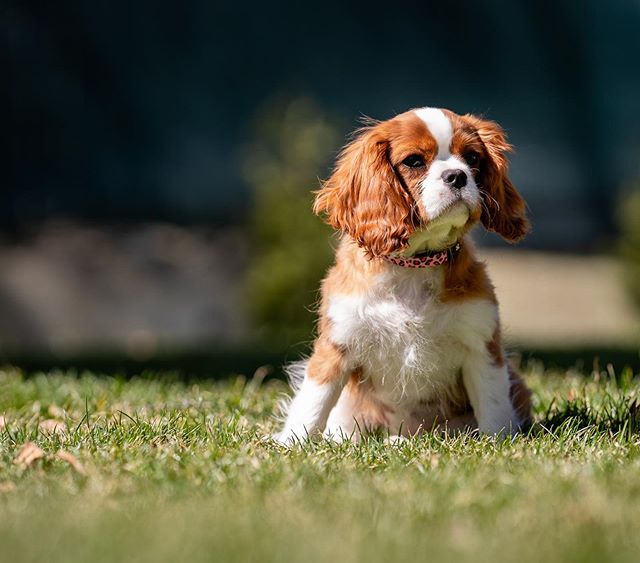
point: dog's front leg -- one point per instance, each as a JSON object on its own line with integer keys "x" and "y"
{"x": 488, "y": 386}
{"x": 324, "y": 379}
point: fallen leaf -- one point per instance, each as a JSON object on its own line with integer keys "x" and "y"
{"x": 72, "y": 460}
{"x": 28, "y": 454}
{"x": 3, "y": 422}
{"x": 7, "y": 487}
{"x": 52, "y": 426}
{"x": 55, "y": 411}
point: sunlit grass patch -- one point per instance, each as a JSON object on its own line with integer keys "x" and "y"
{"x": 155, "y": 469}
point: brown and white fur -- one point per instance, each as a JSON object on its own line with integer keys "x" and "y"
{"x": 404, "y": 349}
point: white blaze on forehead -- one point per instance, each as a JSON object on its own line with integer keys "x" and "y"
{"x": 439, "y": 126}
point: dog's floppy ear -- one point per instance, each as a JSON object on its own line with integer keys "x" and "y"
{"x": 503, "y": 210}
{"x": 364, "y": 197}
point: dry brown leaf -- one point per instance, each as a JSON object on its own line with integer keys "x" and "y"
{"x": 7, "y": 487}
{"x": 52, "y": 426}
{"x": 72, "y": 460}
{"x": 3, "y": 421}
{"x": 28, "y": 454}
{"x": 55, "y": 411}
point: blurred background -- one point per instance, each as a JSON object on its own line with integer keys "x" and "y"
{"x": 155, "y": 205}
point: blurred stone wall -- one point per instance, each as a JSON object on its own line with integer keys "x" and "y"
{"x": 71, "y": 288}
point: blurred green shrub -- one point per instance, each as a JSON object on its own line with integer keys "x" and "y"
{"x": 290, "y": 248}
{"x": 630, "y": 241}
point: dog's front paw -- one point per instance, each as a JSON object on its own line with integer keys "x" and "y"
{"x": 502, "y": 427}
{"x": 395, "y": 440}
{"x": 287, "y": 438}
{"x": 339, "y": 435}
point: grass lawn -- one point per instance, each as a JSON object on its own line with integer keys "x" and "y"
{"x": 153, "y": 469}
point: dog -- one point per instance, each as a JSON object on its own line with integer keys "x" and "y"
{"x": 408, "y": 335}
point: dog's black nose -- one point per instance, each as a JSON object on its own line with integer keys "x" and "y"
{"x": 454, "y": 178}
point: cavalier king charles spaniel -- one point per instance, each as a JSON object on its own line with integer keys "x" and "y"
{"x": 408, "y": 331}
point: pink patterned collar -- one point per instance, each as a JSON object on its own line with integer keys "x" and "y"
{"x": 426, "y": 259}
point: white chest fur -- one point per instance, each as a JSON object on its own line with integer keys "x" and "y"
{"x": 404, "y": 338}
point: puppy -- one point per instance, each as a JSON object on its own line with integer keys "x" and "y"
{"x": 408, "y": 331}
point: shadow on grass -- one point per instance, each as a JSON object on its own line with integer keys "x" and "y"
{"x": 191, "y": 364}
{"x": 216, "y": 363}
{"x": 615, "y": 412}
{"x": 583, "y": 359}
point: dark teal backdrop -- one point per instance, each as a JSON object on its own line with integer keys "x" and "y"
{"x": 116, "y": 110}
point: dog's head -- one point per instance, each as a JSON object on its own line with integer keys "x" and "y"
{"x": 423, "y": 178}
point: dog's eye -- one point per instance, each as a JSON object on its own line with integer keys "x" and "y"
{"x": 471, "y": 158}
{"x": 413, "y": 161}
